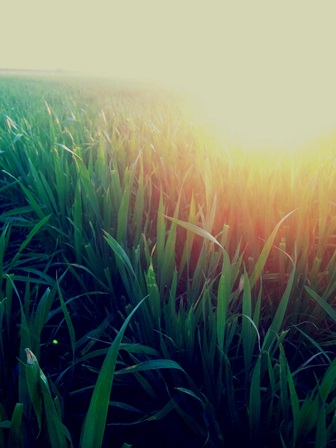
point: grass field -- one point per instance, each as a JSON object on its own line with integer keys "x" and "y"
{"x": 159, "y": 288}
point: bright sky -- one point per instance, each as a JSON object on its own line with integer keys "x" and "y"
{"x": 265, "y": 70}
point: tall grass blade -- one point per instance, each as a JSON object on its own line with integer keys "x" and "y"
{"x": 260, "y": 263}
{"x": 278, "y": 319}
{"x": 95, "y": 420}
{"x": 223, "y": 297}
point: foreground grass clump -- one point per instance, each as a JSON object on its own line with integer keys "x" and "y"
{"x": 139, "y": 255}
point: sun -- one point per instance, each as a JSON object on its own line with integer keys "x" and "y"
{"x": 262, "y": 118}
{"x": 267, "y": 78}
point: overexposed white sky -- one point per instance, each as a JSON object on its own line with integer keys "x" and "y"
{"x": 265, "y": 70}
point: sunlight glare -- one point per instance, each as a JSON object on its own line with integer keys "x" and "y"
{"x": 263, "y": 72}
{"x": 273, "y": 85}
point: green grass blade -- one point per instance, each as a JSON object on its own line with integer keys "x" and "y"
{"x": 259, "y": 266}
{"x": 59, "y": 436}
{"x": 27, "y": 240}
{"x": 248, "y": 334}
{"x": 328, "y": 383}
{"x": 295, "y": 406}
{"x": 15, "y": 439}
{"x": 154, "y": 364}
{"x": 223, "y": 296}
{"x": 325, "y": 305}
{"x": 279, "y": 315}
{"x": 195, "y": 229}
{"x": 68, "y": 322}
{"x": 254, "y": 406}
{"x": 34, "y": 387}
{"x": 120, "y": 253}
{"x": 321, "y": 426}
{"x": 94, "y": 424}
{"x": 154, "y": 301}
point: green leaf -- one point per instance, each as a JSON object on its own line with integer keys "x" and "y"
{"x": 120, "y": 253}
{"x": 68, "y": 322}
{"x": 95, "y": 421}
{"x": 254, "y": 407}
{"x": 153, "y": 364}
{"x": 15, "y": 433}
{"x": 277, "y": 321}
{"x": 321, "y": 426}
{"x": 34, "y": 387}
{"x": 38, "y": 388}
{"x": 195, "y": 229}
{"x": 325, "y": 305}
{"x": 294, "y": 405}
{"x": 259, "y": 266}
{"x": 27, "y": 240}
{"x": 223, "y": 297}
{"x": 248, "y": 334}
{"x": 328, "y": 383}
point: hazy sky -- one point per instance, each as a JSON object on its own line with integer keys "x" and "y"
{"x": 264, "y": 69}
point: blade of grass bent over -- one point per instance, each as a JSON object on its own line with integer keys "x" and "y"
{"x": 195, "y": 229}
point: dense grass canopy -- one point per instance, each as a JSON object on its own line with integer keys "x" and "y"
{"x": 152, "y": 276}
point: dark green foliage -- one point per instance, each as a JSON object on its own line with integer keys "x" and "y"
{"x": 155, "y": 289}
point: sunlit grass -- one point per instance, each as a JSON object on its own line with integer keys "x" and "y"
{"x": 112, "y": 193}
